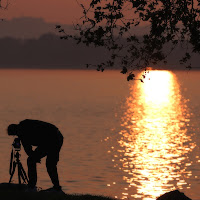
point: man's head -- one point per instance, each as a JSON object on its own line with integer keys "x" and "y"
{"x": 12, "y": 129}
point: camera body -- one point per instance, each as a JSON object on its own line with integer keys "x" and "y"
{"x": 16, "y": 144}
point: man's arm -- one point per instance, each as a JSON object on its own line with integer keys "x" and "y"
{"x": 27, "y": 147}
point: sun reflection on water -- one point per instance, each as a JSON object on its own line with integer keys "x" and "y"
{"x": 154, "y": 143}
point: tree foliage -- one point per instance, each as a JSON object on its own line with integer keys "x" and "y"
{"x": 111, "y": 24}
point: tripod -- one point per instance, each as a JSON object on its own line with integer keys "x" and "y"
{"x": 15, "y": 161}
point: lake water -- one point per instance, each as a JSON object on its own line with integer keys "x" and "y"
{"x": 122, "y": 139}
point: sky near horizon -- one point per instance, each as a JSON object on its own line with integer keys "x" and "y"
{"x": 56, "y": 11}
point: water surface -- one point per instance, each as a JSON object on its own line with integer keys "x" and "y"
{"x": 123, "y": 139}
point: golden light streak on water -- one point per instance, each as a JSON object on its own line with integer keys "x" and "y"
{"x": 154, "y": 143}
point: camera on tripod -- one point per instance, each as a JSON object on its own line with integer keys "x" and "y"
{"x": 15, "y": 162}
{"x": 16, "y": 144}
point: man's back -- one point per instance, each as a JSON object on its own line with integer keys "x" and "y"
{"x": 37, "y": 133}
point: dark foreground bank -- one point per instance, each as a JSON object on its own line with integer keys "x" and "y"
{"x": 17, "y": 192}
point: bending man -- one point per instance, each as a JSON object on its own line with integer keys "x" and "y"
{"x": 48, "y": 140}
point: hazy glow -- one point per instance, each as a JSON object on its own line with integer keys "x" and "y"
{"x": 154, "y": 143}
{"x": 62, "y": 11}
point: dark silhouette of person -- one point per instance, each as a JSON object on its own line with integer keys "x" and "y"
{"x": 48, "y": 140}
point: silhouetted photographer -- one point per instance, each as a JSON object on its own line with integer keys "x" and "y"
{"x": 48, "y": 140}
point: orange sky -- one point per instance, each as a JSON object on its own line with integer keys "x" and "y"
{"x": 62, "y": 11}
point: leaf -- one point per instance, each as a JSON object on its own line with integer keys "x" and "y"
{"x": 87, "y": 65}
{"x": 130, "y": 77}
{"x": 64, "y": 37}
{"x": 124, "y": 70}
{"x": 58, "y": 26}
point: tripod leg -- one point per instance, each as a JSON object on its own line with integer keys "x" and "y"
{"x": 23, "y": 173}
{"x": 19, "y": 173}
{"x": 13, "y": 171}
{"x": 11, "y": 162}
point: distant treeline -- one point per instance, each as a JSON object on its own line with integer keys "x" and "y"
{"x": 49, "y": 51}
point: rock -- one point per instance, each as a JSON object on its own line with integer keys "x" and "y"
{"x": 173, "y": 195}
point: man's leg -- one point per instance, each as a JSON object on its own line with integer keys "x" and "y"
{"x": 53, "y": 172}
{"x": 31, "y": 162}
{"x": 32, "y": 172}
{"x": 51, "y": 163}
